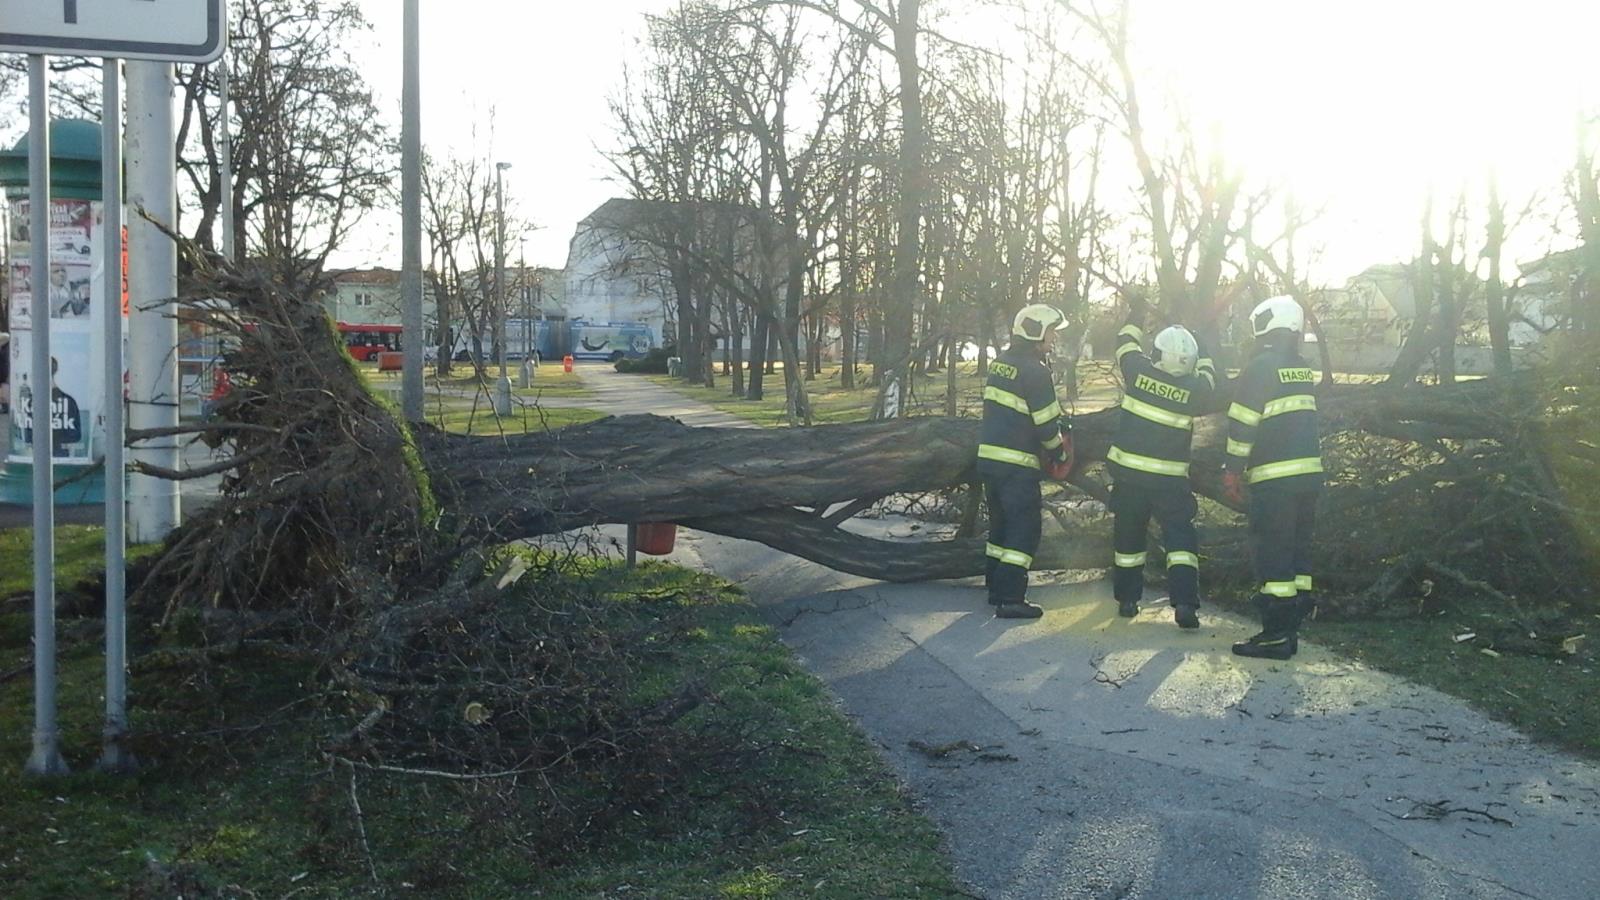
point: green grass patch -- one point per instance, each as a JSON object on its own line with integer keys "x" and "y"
{"x": 80, "y": 557}
{"x": 832, "y": 403}
{"x": 460, "y": 417}
{"x": 236, "y": 798}
{"x": 1546, "y": 693}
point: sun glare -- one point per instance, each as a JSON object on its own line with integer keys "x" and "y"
{"x": 1365, "y": 105}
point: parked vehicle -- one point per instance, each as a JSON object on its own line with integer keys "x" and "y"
{"x": 611, "y": 341}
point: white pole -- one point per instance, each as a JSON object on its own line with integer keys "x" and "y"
{"x": 502, "y": 385}
{"x": 225, "y": 160}
{"x": 114, "y": 757}
{"x": 46, "y": 758}
{"x": 411, "y": 221}
{"x": 153, "y": 510}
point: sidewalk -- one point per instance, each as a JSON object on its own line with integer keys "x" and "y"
{"x": 1103, "y": 757}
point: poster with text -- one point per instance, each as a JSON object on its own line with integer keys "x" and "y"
{"x": 75, "y": 285}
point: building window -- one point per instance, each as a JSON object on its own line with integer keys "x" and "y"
{"x": 364, "y": 299}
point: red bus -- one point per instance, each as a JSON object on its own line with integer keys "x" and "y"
{"x": 366, "y": 341}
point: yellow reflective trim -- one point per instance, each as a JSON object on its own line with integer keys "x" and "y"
{"x": 993, "y": 550}
{"x": 1053, "y": 443}
{"x": 1053, "y": 411}
{"x": 1155, "y": 413}
{"x": 1244, "y": 414}
{"x": 1182, "y": 558}
{"x": 1302, "y": 582}
{"x": 1131, "y": 330}
{"x": 1148, "y": 463}
{"x": 1125, "y": 349}
{"x": 1291, "y": 403}
{"x": 1279, "y": 588}
{"x": 1005, "y": 398}
{"x": 1128, "y": 560}
{"x": 1239, "y": 448}
{"x": 1015, "y": 558}
{"x": 1008, "y": 455}
{"x": 1309, "y": 465}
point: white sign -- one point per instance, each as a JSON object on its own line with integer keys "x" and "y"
{"x": 191, "y": 31}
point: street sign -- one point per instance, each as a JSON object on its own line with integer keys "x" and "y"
{"x": 189, "y": 31}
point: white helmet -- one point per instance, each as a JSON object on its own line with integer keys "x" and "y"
{"x": 1035, "y": 319}
{"x": 1176, "y": 351}
{"x": 1277, "y": 312}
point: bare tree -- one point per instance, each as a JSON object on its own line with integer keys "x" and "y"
{"x": 311, "y": 155}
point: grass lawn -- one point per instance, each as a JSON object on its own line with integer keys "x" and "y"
{"x": 236, "y": 800}
{"x": 829, "y": 401}
{"x": 461, "y": 404}
{"x": 832, "y": 403}
{"x": 1548, "y": 697}
{"x": 461, "y": 417}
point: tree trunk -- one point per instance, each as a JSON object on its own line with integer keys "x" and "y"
{"x": 1495, "y": 290}
{"x": 758, "y": 356}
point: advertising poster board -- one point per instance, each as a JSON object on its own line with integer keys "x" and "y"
{"x": 76, "y": 287}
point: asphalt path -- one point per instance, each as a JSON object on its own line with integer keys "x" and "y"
{"x": 1085, "y": 755}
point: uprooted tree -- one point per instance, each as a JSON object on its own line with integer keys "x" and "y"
{"x": 337, "y": 510}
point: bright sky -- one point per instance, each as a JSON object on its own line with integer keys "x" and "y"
{"x": 1357, "y": 103}
{"x": 545, "y": 69}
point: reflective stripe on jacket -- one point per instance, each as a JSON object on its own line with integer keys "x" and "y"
{"x": 1272, "y": 424}
{"x": 1021, "y": 416}
{"x": 1156, "y": 426}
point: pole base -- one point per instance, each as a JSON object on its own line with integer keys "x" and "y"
{"x": 116, "y": 759}
{"x": 46, "y": 761}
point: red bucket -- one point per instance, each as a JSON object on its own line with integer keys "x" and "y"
{"x": 656, "y": 538}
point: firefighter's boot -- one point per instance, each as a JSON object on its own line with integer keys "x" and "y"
{"x": 1186, "y": 616}
{"x": 1017, "y": 609}
{"x": 1279, "y": 636}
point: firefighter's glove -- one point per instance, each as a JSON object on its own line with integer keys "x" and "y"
{"x": 1233, "y": 488}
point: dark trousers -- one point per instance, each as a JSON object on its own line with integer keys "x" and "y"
{"x": 1133, "y": 504}
{"x": 1281, "y": 535}
{"x": 1014, "y": 506}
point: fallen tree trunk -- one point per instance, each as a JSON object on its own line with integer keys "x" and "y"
{"x": 749, "y": 483}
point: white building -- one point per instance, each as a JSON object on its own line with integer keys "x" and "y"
{"x": 611, "y": 276}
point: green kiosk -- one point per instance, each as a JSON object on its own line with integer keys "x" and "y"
{"x": 76, "y": 285}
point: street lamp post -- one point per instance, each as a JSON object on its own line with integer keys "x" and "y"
{"x": 502, "y": 386}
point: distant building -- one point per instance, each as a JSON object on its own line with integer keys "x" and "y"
{"x": 1374, "y": 309}
{"x": 1546, "y": 297}
{"x": 612, "y": 275}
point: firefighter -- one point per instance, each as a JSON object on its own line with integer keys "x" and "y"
{"x": 1149, "y": 462}
{"x": 1273, "y": 448}
{"x": 1024, "y": 434}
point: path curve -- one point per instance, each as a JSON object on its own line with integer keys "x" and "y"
{"x": 1125, "y": 758}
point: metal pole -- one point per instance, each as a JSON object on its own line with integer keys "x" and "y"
{"x": 524, "y": 380}
{"x": 46, "y": 758}
{"x": 502, "y": 386}
{"x": 114, "y": 757}
{"x": 225, "y": 160}
{"x": 411, "y": 222}
{"x": 153, "y": 510}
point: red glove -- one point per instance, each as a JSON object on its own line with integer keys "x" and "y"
{"x": 1060, "y": 468}
{"x": 1233, "y": 488}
